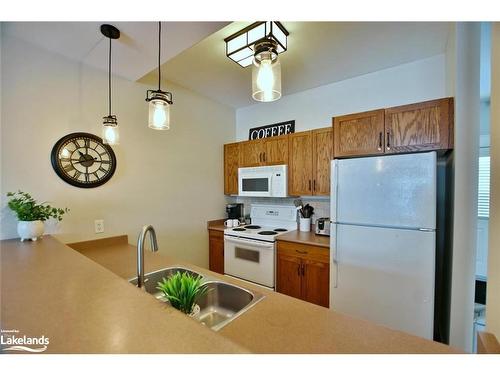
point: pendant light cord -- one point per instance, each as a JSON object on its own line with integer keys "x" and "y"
{"x": 109, "y": 77}
{"x": 159, "y": 55}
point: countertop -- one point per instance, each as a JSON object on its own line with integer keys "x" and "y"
{"x": 276, "y": 324}
{"x": 50, "y": 289}
{"x": 216, "y": 225}
{"x": 308, "y": 238}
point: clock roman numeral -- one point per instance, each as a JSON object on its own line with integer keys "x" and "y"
{"x": 68, "y": 168}
{"x": 76, "y": 175}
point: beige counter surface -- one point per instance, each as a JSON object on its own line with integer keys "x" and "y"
{"x": 278, "y": 323}
{"x": 50, "y": 289}
{"x": 216, "y": 225}
{"x": 307, "y": 238}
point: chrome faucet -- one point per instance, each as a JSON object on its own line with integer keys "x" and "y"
{"x": 140, "y": 251}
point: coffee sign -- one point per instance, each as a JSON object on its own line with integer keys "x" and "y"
{"x": 273, "y": 130}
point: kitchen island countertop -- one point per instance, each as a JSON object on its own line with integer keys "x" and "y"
{"x": 278, "y": 323}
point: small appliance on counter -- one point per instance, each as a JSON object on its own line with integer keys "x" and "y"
{"x": 235, "y": 211}
{"x": 323, "y": 226}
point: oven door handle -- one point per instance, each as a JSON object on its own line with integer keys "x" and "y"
{"x": 250, "y": 242}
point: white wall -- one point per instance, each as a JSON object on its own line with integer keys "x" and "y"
{"x": 466, "y": 56}
{"x": 408, "y": 83}
{"x": 493, "y": 291}
{"x": 172, "y": 180}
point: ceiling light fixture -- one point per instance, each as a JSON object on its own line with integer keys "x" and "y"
{"x": 110, "y": 133}
{"x": 159, "y": 101}
{"x": 260, "y": 44}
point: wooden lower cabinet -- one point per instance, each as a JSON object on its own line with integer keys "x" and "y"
{"x": 316, "y": 282}
{"x": 216, "y": 251}
{"x": 289, "y": 279}
{"x": 303, "y": 271}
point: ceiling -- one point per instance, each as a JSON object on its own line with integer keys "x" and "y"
{"x": 193, "y": 53}
{"x": 318, "y": 53}
{"x": 134, "y": 54}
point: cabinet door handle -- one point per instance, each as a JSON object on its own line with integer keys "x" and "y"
{"x": 265, "y": 156}
{"x": 303, "y": 269}
{"x": 314, "y": 184}
{"x": 388, "y": 140}
{"x": 298, "y": 269}
{"x": 301, "y": 251}
{"x": 309, "y": 185}
{"x": 260, "y": 156}
{"x": 380, "y": 141}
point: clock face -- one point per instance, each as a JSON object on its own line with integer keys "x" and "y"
{"x": 82, "y": 160}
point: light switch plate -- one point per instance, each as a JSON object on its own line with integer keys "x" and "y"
{"x": 99, "y": 225}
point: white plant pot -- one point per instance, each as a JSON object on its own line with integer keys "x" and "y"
{"x": 196, "y": 311}
{"x": 30, "y": 230}
{"x": 305, "y": 224}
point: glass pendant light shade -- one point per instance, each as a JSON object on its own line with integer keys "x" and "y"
{"x": 110, "y": 131}
{"x": 159, "y": 112}
{"x": 266, "y": 80}
{"x": 159, "y": 101}
{"x": 266, "y": 73}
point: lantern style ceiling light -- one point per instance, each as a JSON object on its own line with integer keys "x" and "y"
{"x": 159, "y": 101}
{"x": 110, "y": 133}
{"x": 259, "y": 45}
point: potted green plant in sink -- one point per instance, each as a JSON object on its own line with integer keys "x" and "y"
{"x": 182, "y": 290}
{"x": 32, "y": 214}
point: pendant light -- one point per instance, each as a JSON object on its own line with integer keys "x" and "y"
{"x": 259, "y": 45}
{"x": 110, "y": 133}
{"x": 266, "y": 72}
{"x": 159, "y": 101}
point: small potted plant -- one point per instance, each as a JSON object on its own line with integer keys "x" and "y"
{"x": 182, "y": 290}
{"x": 32, "y": 214}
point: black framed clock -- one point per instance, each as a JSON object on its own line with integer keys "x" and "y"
{"x": 83, "y": 160}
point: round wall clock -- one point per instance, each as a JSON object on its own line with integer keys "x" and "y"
{"x": 83, "y": 160}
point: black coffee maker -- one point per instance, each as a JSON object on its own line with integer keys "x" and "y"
{"x": 234, "y": 211}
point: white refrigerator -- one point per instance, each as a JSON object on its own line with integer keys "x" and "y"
{"x": 383, "y": 240}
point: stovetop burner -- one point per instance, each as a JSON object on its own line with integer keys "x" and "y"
{"x": 239, "y": 229}
{"x": 267, "y": 233}
{"x": 280, "y": 230}
{"x": 253, "y": 226}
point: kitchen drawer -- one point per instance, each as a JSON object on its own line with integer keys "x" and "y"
{"x": 318, "y": 253}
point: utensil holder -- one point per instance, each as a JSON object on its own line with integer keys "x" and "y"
{"x": 305, "y": 224}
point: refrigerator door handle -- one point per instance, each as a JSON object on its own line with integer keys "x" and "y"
{"x": 334, "y": 261}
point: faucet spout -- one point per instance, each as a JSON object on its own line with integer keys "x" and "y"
{"x": 140, "y": 251}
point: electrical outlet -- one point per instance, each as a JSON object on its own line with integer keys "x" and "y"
{"x": 99, "y": 225}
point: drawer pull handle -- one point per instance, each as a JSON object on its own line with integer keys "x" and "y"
{"x": 301, "y": 252}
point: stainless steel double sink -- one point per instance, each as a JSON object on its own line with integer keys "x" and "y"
{"x": 222, "y": 303}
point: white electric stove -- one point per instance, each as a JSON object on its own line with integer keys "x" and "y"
{"x": 249, "y": 250}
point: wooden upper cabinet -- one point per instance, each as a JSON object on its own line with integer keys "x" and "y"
{"x": 231, "y": 164}
{"x": 276, "y": 150}
{"x": 252, "y": 153}
{"x": 322, "y": 140}
{"x": 359, "y": 134}
{"x": 300, "y": 164}
{"x": 419, "y": 127}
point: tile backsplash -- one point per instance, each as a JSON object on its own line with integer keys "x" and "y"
{"x": 321, "y": 204}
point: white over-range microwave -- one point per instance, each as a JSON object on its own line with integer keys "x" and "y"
{"x": 268, "y": 181}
